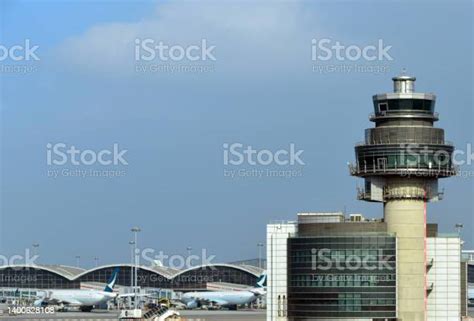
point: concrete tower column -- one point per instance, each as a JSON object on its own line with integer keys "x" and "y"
{"x": 404, "y": 214}
{"x": 405, "y": 218}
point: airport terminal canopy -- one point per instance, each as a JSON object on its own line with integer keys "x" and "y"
{"x": 66, "y": 277}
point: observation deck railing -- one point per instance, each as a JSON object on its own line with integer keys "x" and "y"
{"x": 405, "y": 141}
{"x": 406, "y": 171}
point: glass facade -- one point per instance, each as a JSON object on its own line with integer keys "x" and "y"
{"x": 197, "y": 278}
{"x": 404, "y": 135}
{"x": 424, "y": 105}
{"x": 434, "y": 159}
{"x": 194, "y": 279}
{"x": 35, "y": 278}
{"x": 146, "y": 278}
{"x": 342, "y": 277}
{"x": 470, "y": 273}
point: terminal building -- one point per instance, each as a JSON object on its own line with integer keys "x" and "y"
{"x": 325, "y": 266}
{"x": 198, "y": 278}
{"x": 468, "y": 258}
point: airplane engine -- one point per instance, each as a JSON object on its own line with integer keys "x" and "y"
{"x": 39, "y": 303}
{"x": 192, "y": 305}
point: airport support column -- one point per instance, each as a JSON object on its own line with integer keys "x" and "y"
{"x": 401, "y": 160}
{"x": 404, "y": 214}
{"x": 135, "y": 231}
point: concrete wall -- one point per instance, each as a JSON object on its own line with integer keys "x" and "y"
{"x": 464, "y": 299}
{"x": 334, "y": 229}
{"x": 277, "y": 285}
{"x": 444, "y": 301}
{"x": 406, "y": 219}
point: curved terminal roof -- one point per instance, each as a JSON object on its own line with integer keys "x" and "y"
{"x": 161, "y": 270}
{"x": 73, "y": 273}
{"x": 255, "y": 270}
{"x": 68, "y": 272}
{"x": 246, "y": 268}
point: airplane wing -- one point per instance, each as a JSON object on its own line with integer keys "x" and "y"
{"x": 72, "y": 302}
{"x": 219, "y": 301}
{"x": 125, "y": 295}
{"x": 258, "y": 291}
{"x": 207, "y": 301}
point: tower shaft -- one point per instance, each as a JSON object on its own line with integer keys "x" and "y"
{"x": 405, "y": 217}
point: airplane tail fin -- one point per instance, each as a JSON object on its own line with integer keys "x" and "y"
{"x": 260, "y": 288}
{"x": 262, "y": 280}
{"x": 113, "y": 279}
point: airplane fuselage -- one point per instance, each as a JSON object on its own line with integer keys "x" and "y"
{"x": 85, "y": 299}
{"x": 80, "y": 297}
{"x": 223, "y": 298}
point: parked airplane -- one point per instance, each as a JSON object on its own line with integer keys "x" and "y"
{"x": 228, "y": 299}
{"x": 84, "y": 299}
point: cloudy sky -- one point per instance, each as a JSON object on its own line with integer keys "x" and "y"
{"x": 90, "y": 84}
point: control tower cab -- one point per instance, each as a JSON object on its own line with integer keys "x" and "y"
{"x": 403, "y": 144}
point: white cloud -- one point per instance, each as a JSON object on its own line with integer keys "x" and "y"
{"x": 246, "y": 35}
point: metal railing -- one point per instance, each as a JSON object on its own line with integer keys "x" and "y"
{"x": 388, "y": 193}
{"x": 447, "y": 170}
{"x": 404, "y": 113}
{"x": 404, "y": 141}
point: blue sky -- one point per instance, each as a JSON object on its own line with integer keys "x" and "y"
{"x": 261, "y": 91}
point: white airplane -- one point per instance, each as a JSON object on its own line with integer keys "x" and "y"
{"x": 229, "y": 299}
{"x": 84, "y": 299}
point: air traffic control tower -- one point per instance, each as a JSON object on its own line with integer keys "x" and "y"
{"x": 401, "y": 160}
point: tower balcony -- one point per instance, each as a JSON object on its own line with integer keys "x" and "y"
{"x": 403, "y": 171}
{"x": 429, "y": 264}
{"x": 405, "y": 160}
{"x": 375, "y": 117}
{"x": 405, "y": 135}
{"x": 429, "y": 288}
{"x": 427, "y": 193}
